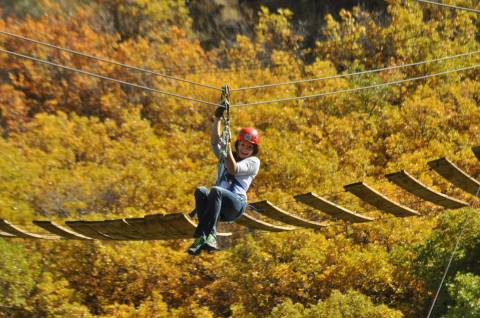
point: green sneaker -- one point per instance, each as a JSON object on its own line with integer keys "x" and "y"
{"x": 197, "y": 245}
{"x": 211, "y": 243}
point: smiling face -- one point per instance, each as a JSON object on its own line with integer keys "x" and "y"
{"x": 245, "y": 149}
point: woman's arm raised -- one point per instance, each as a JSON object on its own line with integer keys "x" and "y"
{"x": 215, "y": 134}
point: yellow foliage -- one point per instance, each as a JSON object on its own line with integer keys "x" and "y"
{"x": 78, "y": 147}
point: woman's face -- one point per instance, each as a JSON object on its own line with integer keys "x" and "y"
{"x": 245, "y": 149}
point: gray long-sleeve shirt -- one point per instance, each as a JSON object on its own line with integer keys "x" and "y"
{"x": 247, "y": 169}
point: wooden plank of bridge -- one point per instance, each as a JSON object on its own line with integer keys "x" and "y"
{"x": 378, "y": 200}
{"x": 455, "y": 175}
{"x": 117, "y": 229}
{"x": 275, "y": 213}
{"x": 417, "y": 188}
{"x": 176, "y": 225}
{"x": 256, "y": 224}
{"x": 330, "y": 208}
{"x": 165, "y": 226}
{"x": 16, "y": 231}
{"x": 157, "y": 227}
{"x": 6, "y": 235}
{"x": 476, "y": 151}
{"x": 61, "y": 231}
{"x": 84, "y": 228}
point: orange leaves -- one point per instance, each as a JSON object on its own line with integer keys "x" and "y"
{"x": 13, "y": 109}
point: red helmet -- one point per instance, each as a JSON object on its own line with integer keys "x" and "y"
{"x": 249, "y": 134}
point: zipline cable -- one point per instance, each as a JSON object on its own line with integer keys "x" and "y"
{"x": 105, "y": 77}
{"x": 246, "y": 104}
{"x": 356, "y": 89}
{"x": 256, "y": 64}
{"x": 353, "y": 74}
{"x": 449, "y": 6}
{"x": 108, "y": 61}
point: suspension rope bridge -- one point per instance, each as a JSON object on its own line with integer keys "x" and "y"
{"x": 180, "y": 226}
{"x": 361, "y": 189}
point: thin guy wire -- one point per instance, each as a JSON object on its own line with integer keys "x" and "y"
{"x": 351, "y": 90}
{"x": 449, "y": 6}
{"x": 106, "y": 78}
{"x": 450, "y": 261}
{"x": 108, "y": 61}
{"x": 355, "y": 73}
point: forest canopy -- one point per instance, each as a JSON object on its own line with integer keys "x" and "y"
{"x": 78, "y": 147}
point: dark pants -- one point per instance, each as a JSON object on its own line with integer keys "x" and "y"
{"x": 218, "y": 203}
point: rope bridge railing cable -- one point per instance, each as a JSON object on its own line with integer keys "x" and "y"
{"x": 108, "y": 61}
{"x": 106, "y": 77}
{"x": 355, "y": 73}
{"x": 449, "y": 6}
{"x": 356, "y": 89}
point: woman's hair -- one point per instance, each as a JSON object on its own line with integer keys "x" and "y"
{"x": 255, "y": 148}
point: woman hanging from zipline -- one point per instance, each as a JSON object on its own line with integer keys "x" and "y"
{"x": 227, "y": 200}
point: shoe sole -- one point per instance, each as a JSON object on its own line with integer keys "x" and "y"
{"x": 197, "y": 252}
{"x": 194, "y": 253}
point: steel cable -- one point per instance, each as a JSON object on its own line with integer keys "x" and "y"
{"x": 356, "y": 89}
{"x": 106, "y": 77}
{"x": 355, "y": 73}
{"x": 449, "y": 6}
{"x": 108, "y": 61}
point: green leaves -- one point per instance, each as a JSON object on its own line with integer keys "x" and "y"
{"x": 465, "y": 292}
